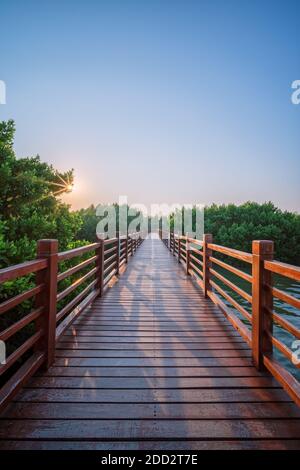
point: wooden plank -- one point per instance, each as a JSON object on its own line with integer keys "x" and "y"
{"x": 292, "y": 272}
{"x": 289, "y": 382}
{"x": 19, "y": 270}
{"x": 149, "y": 429}
{"x": 77, "y": 251}
{"x": 71, "y": 317}
{"x": 147, "y": 382}
{"x": 158, "y": 362}
{"x": 149, "y": 410}
{"x": 89, "y": 334}
{"x": 240, "y": 255}
{"x": 235, "y": 395}
{"x": 18, "y": 299}
{"x": 15, "y": 327}
{"x": 131, "y": 346}
{"x": 159, "y": 371}
{"x": 151, "y": 445}
{"x": 222, "y": 352}
{"x": 69, "y": 272}
{"x": 14, "y": 384}
{"x": 141, "y": 338}
{"x": 162, "y": 329}
{"x": 152, "y": 364}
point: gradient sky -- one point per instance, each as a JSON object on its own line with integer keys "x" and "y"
{"x": 163, "y": 101}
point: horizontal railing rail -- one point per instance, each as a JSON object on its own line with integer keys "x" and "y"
{"x": 250, "y": 309}
{"x": 61, "y": 286}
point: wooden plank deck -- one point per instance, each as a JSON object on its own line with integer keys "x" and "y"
{"x": 152, "y": 365}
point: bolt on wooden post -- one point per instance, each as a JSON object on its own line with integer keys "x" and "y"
{"x": 262, "y": 301}
{"x": 207, "y": 253}
{"x": 48, "y": 249}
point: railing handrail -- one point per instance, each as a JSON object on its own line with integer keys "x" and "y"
{"x": 199, "y": 263}
{"x": 287, "y": 270}
{"x": 19, "y": 270}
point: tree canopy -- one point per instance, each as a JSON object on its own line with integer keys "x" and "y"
{"x": 30, "y": 208}
{"x": 236, "y": 226}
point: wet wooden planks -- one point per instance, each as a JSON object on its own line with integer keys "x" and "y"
{"x": 152, "y": 365}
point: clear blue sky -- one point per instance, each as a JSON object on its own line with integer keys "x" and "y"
{"x": 164, "y": 101}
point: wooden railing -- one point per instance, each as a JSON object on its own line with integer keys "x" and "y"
{"x": 54, "y": 307}
{"x": 255, "y": 318}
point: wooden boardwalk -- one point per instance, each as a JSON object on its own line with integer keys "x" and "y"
{"x": 152, "y": 365}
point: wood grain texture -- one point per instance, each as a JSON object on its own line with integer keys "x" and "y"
{"x": 152, "y": 365}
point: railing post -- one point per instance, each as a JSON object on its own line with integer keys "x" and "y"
{"x": 187, "y": 246}
{"x": 126, "y": 249}
{"x": 118, "y": 254}
{"x": 179, "y": 248}
{"x": 100, "y": 265}
{"x": 207, "y": 238}
{"x": 48, "y": 297}
{"x": 262, "y": 301}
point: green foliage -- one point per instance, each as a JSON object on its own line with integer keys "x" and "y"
{"x": 87, "y": 231}
{"x": 29, "y": 207}
{"x": 236, "y": 226}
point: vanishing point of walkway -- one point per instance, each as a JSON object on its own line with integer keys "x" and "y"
{"x": 152, "y": 365}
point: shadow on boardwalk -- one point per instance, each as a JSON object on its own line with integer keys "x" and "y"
{"x": 152, "y": 365}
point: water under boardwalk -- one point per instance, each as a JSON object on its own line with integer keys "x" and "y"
{"x": 152, "y": 365}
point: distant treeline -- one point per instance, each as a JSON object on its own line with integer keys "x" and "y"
{"x": 31, "y": 209}
{"x": 236, "y": 226}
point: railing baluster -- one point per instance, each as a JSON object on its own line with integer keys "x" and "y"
{"x": 48, "y": 249}
{"x": 118, "y": 254}
{"x": 126, "y": 249}
{"x": 187, "y": 246}
{"x": 173, "y": 238}
{"x": 207, "y": 253}
{"x": 100, "y": 265}
{"x": 262, "y": 301}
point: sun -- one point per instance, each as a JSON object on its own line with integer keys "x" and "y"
{"x": 63, "y": 187}
{"x": 70, "y": 187}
